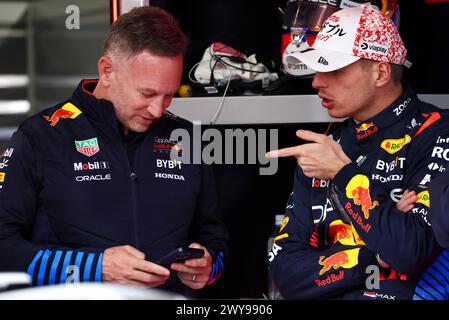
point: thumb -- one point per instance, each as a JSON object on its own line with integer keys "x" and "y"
{"x": 195, "y": 245}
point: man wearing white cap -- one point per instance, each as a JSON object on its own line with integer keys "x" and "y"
{"x": 343, "y": 236}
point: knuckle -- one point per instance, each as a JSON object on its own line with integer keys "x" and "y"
{"x": 128, "y": 274}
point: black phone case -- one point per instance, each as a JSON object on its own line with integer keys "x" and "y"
{"x": 179, "y": 255}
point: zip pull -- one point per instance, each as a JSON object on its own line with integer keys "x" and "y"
{"x": 133, "y": 176}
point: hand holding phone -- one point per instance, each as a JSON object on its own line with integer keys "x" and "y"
{"x": 180, "y": 255}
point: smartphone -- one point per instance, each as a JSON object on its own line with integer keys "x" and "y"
{"x": 179, "y": 255}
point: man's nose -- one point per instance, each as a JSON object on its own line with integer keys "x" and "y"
{"x": 318, "y": 81}
{"x": 157, "y": 107}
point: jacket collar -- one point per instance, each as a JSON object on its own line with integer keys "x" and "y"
{"x": 97, "y": 109}
{"x": 391, "y": 115}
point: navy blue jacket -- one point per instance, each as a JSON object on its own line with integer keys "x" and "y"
{"x": 72, "y": 186}
{"x": 334, "y": 229}
{"x": 439, "y": 212}
{"x": 434, "y": 282}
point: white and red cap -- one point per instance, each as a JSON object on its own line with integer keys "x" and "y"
{"x": 351, "y": 34}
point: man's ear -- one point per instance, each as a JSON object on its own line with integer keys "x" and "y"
{"x": 105, "y": 70}
{"x": 383, "y": 71}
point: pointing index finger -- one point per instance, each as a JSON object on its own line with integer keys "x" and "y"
{"x": 285, "y": 152}
{"x": 311, "y": 136}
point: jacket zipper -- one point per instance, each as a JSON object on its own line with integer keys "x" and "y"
{"x": 133, "y": 180}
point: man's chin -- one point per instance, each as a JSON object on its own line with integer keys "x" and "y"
{"x": 142, "y": 126}
{"x": 136, "y": 128}
{"x": 334, "y": 114}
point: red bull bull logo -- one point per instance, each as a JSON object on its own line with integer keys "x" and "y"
{"x": 339, "y": 232}
{"x": 365, "y": 130}
{"x": 344, "y": 259}
{"x": 364, "y": 127}
{"x": 344, "y": 233}
{"x": 68, "y": 111}
{"x": 358, "y": 190}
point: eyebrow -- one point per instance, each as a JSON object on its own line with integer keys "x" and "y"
{"x": 148, "y": 90}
